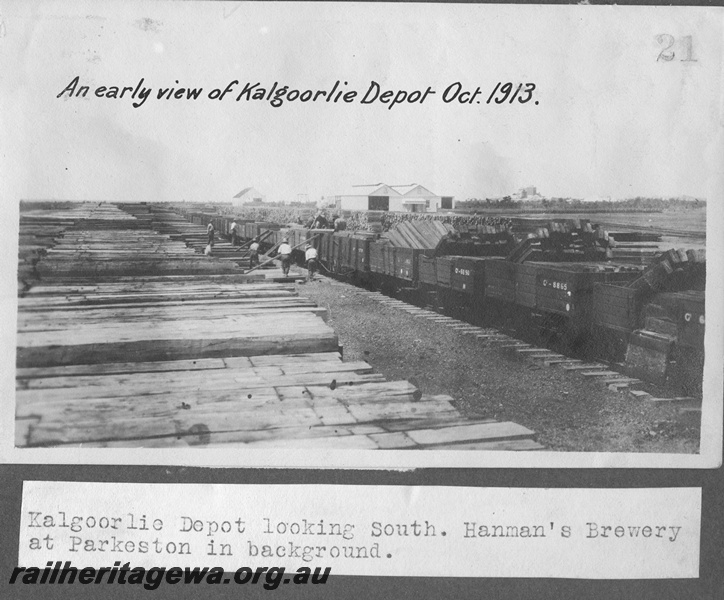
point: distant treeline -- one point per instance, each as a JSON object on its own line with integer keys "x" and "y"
{"x": 355, "y": 220}
{"x": 637, "y": 204}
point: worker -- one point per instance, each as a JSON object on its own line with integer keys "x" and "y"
{"x": 311, "y": 257}
{"x": 339, "y": 223}
{"x": 285, "y": 252}
{"x": 254, "y": 256}
{"x": 210, "y": 233}
{"x": 320, "y": 221}
{"x": 234, "y": 233}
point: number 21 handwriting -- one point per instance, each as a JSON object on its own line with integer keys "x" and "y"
{"x": 667, "y": 41}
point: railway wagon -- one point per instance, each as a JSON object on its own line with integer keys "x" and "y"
{"x": 567, "y": 288}
{"x": 407, "y": 263}
{"x": 346, "y": 252}
{"x": 616, "y": 307}
{"x": 356, "y": 253}
{"x": 344, "y": 259}
{"x": 362, "y": 247}
{"x": 427, "y": 270}
{"x": 275, "y": 237}
{"x": 251, "y": 230}
{"x": 295, "y": 235}
{"x": 327, "y": 242}
{"x": 525, "y": 285}
{"x": 323, "y": 244}
{"x": 500, "y": 280}
{"x": 336, "y": 253}
{"x": 686, "y": 311}
{"x": 313, "y": 237}
{"x": 468, "y": 275}
{"x": 392, "y": 261}
{"x": 382, "y": 259}
{"x": 443, "y": 271}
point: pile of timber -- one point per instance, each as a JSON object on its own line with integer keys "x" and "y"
{"x": 635, "y": 246}
{"x": 42, "y": 224}
{"x": 259, "y": 401}
{"x": 160, "y": 320}
{"x": 374, "y": 221}
{"x": 98, "y": 240}
{"x": 635, "y": 237}
{"x": 570, "y": 240}
{"x": 119, "y": 345}
{"x": 675, "y": 269}
{"x": 418, "y": 234}
{"x": 158, "y": 363}
{"x": 193, "y": 234}
{"x": 93, "y": 253}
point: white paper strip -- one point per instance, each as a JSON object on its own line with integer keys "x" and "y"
{"x": 366, "y": 530}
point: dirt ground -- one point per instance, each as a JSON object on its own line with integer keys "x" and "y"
{"x": 567, "y": 411}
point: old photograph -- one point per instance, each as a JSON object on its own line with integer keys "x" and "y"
{"x": 370, "y": 234}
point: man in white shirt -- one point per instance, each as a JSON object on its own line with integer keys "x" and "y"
{"x": 285, "y": 252}
{"x": 234, "y": 234}
{"x": 254, "y": 256}
{"x": 311, "y": 257}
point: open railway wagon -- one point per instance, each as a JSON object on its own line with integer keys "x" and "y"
{"x": 554, "y": 299}
{"x": 649, "y": 320}
{"x": 656, "y": 323}
{"x": 459, "y": 271}
{"x": 405, "y": 258}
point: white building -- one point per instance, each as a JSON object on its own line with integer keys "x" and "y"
{"x": 394, "y": 198}
{"x": 248, "y": 195}
{"x": 527, "y": 193}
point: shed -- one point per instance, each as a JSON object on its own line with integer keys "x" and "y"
{"x": 395, "y": 198}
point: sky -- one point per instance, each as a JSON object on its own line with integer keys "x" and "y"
{"x": 612, "y": 117}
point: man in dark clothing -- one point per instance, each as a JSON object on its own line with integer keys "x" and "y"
{"x": 320, "y": 222}
{"x": 339, "y": 223}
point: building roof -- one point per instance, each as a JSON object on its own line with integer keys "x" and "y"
{"x": 414, "y": 189}
{"x": 374, "y": 189}
{"x": 244, "y": 191}
{"x": 403, "y": 189}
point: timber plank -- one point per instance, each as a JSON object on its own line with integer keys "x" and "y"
{"x": 468, "y": 433}
{"x": 117, "y": 386}
{"x": 499, "y": 445}
{"x": 190, "y": 341}
{"x": 64, "y": 320}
